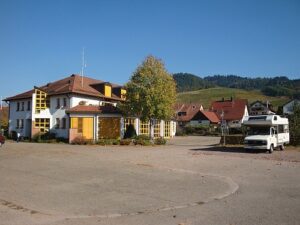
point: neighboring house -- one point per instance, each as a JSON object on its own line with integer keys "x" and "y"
{"x": 288, "y": 108}
{"x": 205, "y": 118}
{"x": 76, "y": 106}
{"x": 185, "y": 112}
{"x": 260, "y": 108}
{"x": 231, "y": 112}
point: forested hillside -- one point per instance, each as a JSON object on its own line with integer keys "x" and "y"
{"x": 276, "y": 86}
{"x": 190, "y": 82}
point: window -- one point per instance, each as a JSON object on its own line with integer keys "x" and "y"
{"x": 41, "y": 101}
{"x": 28, "y": 106}
{"x": 23, "y": 106}
{"x": 57, "y": 123}
{"x": 18, "y": 106}
{"x": 281, "y": 129}
{"x": 107, "y": 90}
{"x": 64, "y": 123}
{"x": 65, "y": 102}
{"x": 167, "y": 129}
{"x": 128, "y": 121}
{"x": 157, "y": 128}
{"x": 123, "y": 94}
{"x": 21, "y": 126}
{"x": 80, "y": 125}
{"x": 182, "y": 114}
{"x": 144, "y": 128}
{"x": 58, "y": 103}
{"x": 43, "y": 124}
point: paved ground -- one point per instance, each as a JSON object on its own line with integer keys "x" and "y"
{"x": 189, "y": 181}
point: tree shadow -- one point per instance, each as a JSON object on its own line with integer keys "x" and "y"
{"x": 231, "y": 149}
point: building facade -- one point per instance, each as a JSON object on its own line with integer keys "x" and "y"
{"x": 232, "y": 112}
{"x": 288, "y": 108}
{"x": 260, "y": 108}
{"x": 75, "y": 106}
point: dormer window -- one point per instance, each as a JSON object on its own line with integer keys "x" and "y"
{"x": 182, "y": 114}
{"x": 123, "y": 94}
{"x": 107, "y": 90}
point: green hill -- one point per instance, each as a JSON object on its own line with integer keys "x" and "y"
{"x": 272, "y": 86}
{"x": 206, "y": 96}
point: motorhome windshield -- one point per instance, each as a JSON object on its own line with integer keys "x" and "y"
{"x": 258, "y": 130}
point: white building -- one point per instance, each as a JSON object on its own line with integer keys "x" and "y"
{"x": 260, "y": 108}
{"x": 288, "y": 108}
{"x": 74, "y": 107}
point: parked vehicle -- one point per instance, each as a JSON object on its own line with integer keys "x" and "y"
{"x": 2, "y": 140}
{"x": 266, "y": 132}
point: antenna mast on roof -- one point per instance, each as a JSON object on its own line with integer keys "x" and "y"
{"x": 82, "y": 67}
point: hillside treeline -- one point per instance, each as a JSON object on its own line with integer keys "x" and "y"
{"x": 275, "y": 86}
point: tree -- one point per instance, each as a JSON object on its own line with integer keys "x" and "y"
{"x": 151, "y": 92}
{"x": 295, "y": 125}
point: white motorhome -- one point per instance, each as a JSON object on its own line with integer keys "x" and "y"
{"x": 266, "y": 132}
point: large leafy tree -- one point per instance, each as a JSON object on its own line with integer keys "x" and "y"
{"x": 151, "y": 92}
{"x": 295, "y": 125}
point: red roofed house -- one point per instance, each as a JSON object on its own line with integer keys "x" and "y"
{"x": 232, "y": 111}
{"x": 185, "y": 112}
{"x": 205, "y": 118}
{"x": 76, "y": 106}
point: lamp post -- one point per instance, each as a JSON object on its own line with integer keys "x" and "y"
{"x": 223, "y": 124}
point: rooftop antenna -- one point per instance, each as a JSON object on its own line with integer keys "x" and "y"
{"x": 82, "y": 67}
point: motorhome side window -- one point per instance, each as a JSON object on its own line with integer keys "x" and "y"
{"x": 280, "y": 129}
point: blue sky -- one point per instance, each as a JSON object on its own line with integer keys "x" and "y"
{"x": 42, "y": 41}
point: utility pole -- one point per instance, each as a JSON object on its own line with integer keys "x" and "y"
{"x": 82, "y": 66}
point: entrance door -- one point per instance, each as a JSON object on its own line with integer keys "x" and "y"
{"x": 84, "y": 126}
{"x": 28, "y": 128}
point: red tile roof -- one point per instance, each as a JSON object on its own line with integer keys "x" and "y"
{"x": 211, "y": 116}
{"x": 233, "y": 109}
{"x": 71, "y": 84}
{"x": 190, "y": 110}
{"x": 203, "y": 115}
{"x": 94, "y": 109}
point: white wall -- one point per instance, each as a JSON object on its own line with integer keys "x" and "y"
{"x": 288, "y": 108}
{"x": 197, "y": 122}
{"x": 14, "y": 115}
{"x": 59, "y": 113}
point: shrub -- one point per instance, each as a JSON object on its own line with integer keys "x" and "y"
{"x": 160, "y": 141}
{"x": 142, "y": 137}
{"x": 125, "y": 142}
{"x": 80, "y": 141}
{"x": 130, "y": 132}
{"x": 106, "y": 141}
{"x": 37, "y": 138}
{"x": 142, "y": 142}
{"x": 48, "y": 136}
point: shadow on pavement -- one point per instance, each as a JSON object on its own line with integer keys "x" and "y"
{"x": 230, "y": 149}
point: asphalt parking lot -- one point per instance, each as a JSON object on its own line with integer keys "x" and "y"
{"x": 189, "y": 181}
